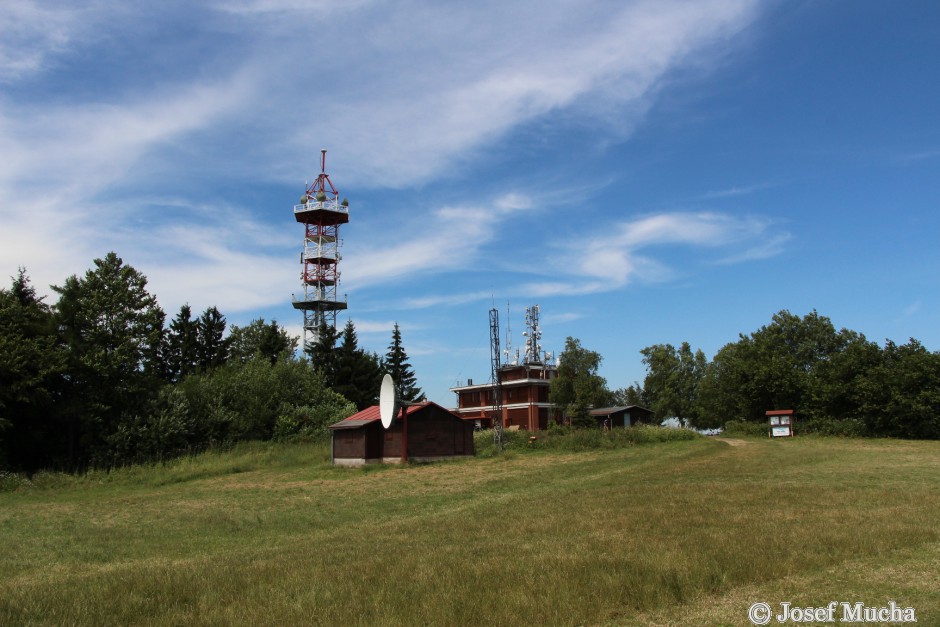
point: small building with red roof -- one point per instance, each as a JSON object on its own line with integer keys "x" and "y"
{"x": 434, "y": 433}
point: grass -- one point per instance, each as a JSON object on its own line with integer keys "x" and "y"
{"x": 687, "y": 532}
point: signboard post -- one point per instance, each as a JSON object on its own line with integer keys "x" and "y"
{"x": 781, "y": 423}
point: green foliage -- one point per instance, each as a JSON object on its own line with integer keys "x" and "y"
{"x": 564, "y": 438}
{"x": 244, "y": 401}
{"x": 838, "y": 382}
{"x": 578, "y": 387}
{"x": 672, "y": 381}
{"x": 772, "y": 368}
{"x": 358, "y": 373}
{"x": 113, "y": 330}
{"x": 746, "y": 428}
{"x": 32, "y": 362}
{"x": 633, "y": 394}
{"x": 396, "y": 364}
{"x": 268, "y": 341}
{"x": 212, "y": 346}
{"x": 182, "y": 345}
{"x": 848, "y": 427}
{"x": 310, "y": 422}
{"x": 323, "y": 353}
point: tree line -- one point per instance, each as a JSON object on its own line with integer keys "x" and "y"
{"x": 837, "y": 381}
{"x": 99, "y": 379}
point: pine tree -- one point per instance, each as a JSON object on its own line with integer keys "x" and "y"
{"x": 358, "y": 373}
{"x": 31, "y": 366}
{"x": 212, "y": 347}
{"x": 182, "y": 345}
{"x": 396, "y": 364}
{"x": 323, "y": 353}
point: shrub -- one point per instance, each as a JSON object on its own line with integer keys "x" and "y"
{"x": 560, "y": 438}
{"x": 849, "y": 427}
{"x": 742, "y": 427}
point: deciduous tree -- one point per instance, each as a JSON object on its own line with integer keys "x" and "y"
{"x": 578, "y": 387}
{"x": 113, "y": 328}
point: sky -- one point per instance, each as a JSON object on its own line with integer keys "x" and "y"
{"x": 645, "y": 171}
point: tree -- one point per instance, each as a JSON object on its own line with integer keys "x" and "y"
{"x": 773, "y": 368}
{"x": 396, "y": 364}
{"x": 577, "y": 387}
{"x": 900, "y": 397}
{"x": 113, "y": 329}
{"x": 182, "y": 345}
{"x": 31, "y": 366}
{"x": 212, "y": 347}
{"x": 672, "y": 380}
{"x": 633, "y": 394}
{"x": 358, "y": 373}
{"x": 268, "y": 341}
{"x": 323, "y": 353}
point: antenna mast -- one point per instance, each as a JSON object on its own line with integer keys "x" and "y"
{"x": 321, "y": 213}
{"x": 497, "y": 384}
{"x": 533, "y": 336}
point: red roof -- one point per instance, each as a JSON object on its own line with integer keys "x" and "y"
{"x": 371, "y": 414}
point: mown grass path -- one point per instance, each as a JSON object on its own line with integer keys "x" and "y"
{"x": 673, "y": 533}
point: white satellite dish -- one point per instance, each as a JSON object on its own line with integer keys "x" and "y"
{"x": 388, "y": 401}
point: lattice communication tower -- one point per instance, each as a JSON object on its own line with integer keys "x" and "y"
{"x": 533, "y": 336}
{"x": 497, "y": 383}
{"x": 321, "y": 213}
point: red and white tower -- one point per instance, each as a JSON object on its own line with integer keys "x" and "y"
{"x": 321, "y": 213}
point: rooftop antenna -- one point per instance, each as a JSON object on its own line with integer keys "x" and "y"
{"x": 497, "y": 384}
{"x": 507, "y": 352}
{"x": 533, "y": 336}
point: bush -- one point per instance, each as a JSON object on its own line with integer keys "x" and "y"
{"x": 742, "y": 427}
{"x": 310, "y": 423}
{"x": 849, "y": 427}
{"x": 562, "y": 438}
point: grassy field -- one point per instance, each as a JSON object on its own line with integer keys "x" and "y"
{"x": 673, "y": 533}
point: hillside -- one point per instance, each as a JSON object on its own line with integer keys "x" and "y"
{"x": 679, "y": 532}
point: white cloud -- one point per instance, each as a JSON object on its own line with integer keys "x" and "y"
{"x": 29, "y": 33}
{"x": 409, "y": 90}
{"x": 450, "y": 238}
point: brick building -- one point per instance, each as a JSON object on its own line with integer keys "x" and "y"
{"x": 525, "y": 397}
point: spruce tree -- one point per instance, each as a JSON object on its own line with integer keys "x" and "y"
{"x": 31, "y": 368}
{"x": 358, "y": 373}
{"x": 212, "y": 346}
{"x": 396, "y": 364}
{"x": 323, "y": 353}
{"x": 182, "y": 345}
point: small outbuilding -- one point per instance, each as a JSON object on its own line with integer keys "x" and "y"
{"x": 434, "y": 433}
{"x": 622, "y": 417}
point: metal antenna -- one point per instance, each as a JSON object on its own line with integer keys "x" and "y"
{"x": 497, "y": 384}
{"x": 533, "y": 336}
{"x": 508, "y": 350}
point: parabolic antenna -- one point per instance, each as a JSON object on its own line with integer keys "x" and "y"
{"x": 388, "y": 401}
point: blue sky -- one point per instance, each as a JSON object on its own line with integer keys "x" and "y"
{"x": 647, "y": 172}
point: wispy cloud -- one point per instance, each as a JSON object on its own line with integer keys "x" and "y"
{"x": 742, "y": 190}
{"x": 448, "y": 239}
{"x": 412, "y": 91}
{"x": 30, "y": 32}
